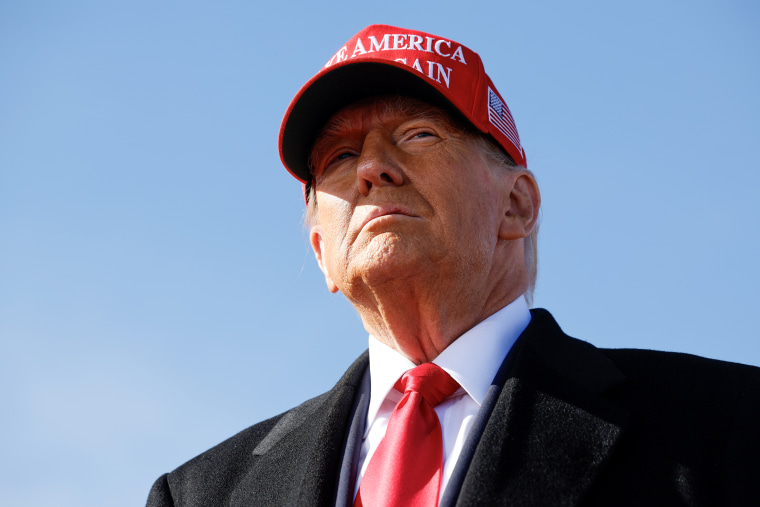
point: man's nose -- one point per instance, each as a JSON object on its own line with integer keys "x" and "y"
{"x": 377, "y": 166}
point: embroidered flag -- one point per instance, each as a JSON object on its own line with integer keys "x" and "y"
{"x": 500, "y": 116}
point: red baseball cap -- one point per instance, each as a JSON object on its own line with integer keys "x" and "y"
{"x": 384, "y": 59}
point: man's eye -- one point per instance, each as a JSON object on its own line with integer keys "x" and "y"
{"x": 339, "y": 157}
{"x": 420, "y": 134}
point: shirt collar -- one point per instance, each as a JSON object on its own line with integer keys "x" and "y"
{"x": 472, "y": 360}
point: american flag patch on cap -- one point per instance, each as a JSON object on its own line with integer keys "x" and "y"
{"x": 500, "y": 116}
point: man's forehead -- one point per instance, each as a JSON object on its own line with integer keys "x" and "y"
{"x": 384, "y": 107}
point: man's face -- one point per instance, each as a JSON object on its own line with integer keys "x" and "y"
{"x": 403, "y": 194}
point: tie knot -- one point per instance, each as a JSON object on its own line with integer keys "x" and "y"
{"x": 430, "y": 380}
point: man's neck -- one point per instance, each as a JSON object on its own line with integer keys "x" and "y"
{"x": 422, "y": 325}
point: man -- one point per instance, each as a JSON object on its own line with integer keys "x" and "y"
{"x": 423, "y": 214}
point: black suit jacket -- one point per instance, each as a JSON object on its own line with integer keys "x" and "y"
{"x": 566, "y": 424}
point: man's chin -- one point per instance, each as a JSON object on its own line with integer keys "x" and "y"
{"x": 388, "y": 272}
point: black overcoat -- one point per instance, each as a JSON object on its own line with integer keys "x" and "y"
{"x": 567, "y": 424}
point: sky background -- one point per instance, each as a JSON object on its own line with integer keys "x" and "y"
{"x": 157, "y": 292}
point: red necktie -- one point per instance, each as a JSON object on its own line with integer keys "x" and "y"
{"x": 406, "y": 467}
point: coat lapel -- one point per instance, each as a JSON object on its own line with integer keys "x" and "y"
{"x": 551, "y": 430}
{"x": 299, "y": 460}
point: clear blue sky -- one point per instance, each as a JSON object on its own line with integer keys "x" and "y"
{"x": 157, "y": 293}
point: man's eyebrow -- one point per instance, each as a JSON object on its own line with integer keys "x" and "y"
{"x": 330, "y": 133}
{"x": 332, "y": 130}
{"x": 335, "y": 127}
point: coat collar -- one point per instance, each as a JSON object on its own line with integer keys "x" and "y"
{"x": 551, "y": 428}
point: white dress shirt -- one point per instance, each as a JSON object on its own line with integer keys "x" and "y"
{"x": 472, "y": 360}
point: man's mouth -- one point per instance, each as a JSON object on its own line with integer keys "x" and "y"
{"x": 385, "y": 210}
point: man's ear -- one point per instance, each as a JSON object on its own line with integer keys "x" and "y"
{"x": 315, "y": 237}
{"x": 522, "y": 212}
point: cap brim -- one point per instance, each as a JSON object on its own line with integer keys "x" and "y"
{"x": 319, "y": 99}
